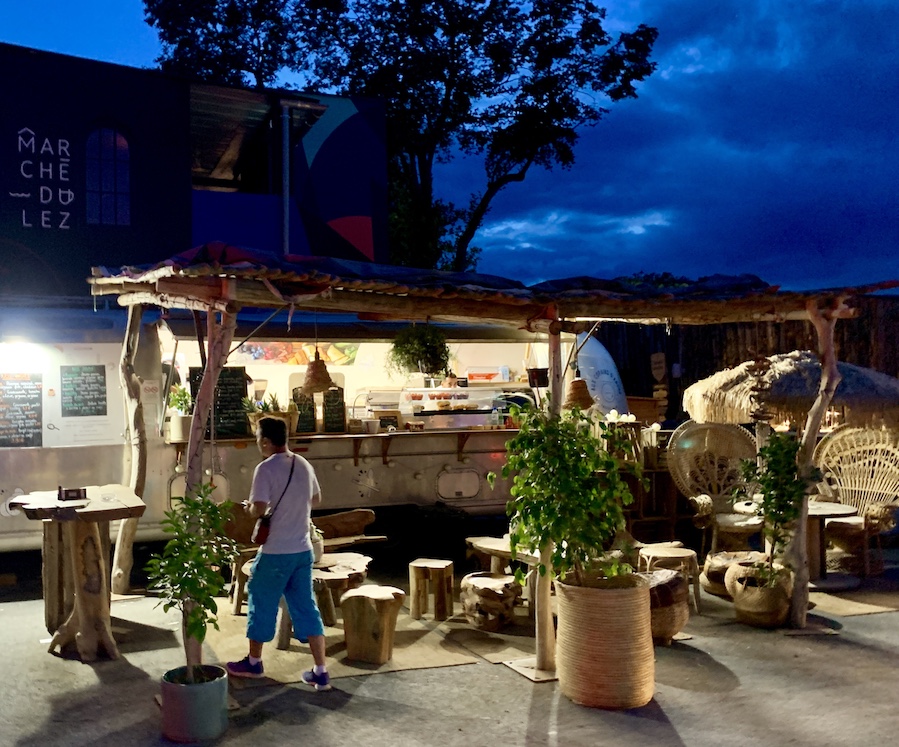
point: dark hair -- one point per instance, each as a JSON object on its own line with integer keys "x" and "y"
{"x": 275, "y": 430}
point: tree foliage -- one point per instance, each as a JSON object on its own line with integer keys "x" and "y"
{"x": 568, "y": 489}
{"x": 782, "y": 489}
{"x": 505, "y": 81}
{"x": 187, "y": 573}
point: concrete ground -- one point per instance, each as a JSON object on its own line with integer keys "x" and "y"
{"x": 727, "y": 685}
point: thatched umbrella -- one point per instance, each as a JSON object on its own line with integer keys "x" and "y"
{"x": 865, "y": 396}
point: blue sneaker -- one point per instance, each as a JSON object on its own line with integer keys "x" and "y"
{"x": 318, "y": 681}
{"x": 243, "y": 668}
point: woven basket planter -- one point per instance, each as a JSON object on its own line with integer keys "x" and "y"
{"x": 715, "y": 568}
{"x": 760, "y": 606}
{"x": 291, "y": 418}
{"x": 604, "y": 652}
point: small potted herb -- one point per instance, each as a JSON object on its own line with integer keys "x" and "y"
{"x": 179, "y": 421}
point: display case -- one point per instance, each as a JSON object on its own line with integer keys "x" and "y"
{"x": 446, "y": 407}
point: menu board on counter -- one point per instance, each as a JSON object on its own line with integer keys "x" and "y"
{"x": 21, "y": 416}
{"x": 83, "y": 390}
{"x": 333, "y": 411}
{"x": 230, "y": 416}
{"x": 306, "y": 407}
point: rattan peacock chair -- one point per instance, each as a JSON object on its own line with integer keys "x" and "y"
{"x": 860, "y": 467}
{"x": 704, "y": 460}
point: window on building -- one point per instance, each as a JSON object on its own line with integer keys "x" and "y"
{"x": 108, "y": 187}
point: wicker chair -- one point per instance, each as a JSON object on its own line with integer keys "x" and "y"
{"x": 860, "y": 467}
{"x": 704, "y": 460}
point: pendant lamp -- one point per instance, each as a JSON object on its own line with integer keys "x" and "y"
{"x": 578, "y": 396}
{"x": 317, "y": 377}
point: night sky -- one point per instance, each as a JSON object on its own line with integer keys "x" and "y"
{"x": 765, "y": 143}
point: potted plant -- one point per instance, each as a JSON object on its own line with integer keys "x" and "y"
{"x": 761, "y": 590}
{"x": 569, "y": 492}
{"x": 420, "y": 348}
{"x": 187, "y": 576}
{"x": 179, "y": 421}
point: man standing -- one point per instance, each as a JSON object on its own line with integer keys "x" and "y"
{"x": 284, "y": 484}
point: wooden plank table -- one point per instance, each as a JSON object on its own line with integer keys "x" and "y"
{"x": 75, "y": 558}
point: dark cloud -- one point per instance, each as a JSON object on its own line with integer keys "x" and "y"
{"x": 764, "y": 143}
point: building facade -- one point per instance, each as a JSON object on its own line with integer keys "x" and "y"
{"x": 102, "y": 164}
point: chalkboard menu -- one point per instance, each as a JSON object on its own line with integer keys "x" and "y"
{"x": 83, "y": 390}
{"x": 306, "y": 406}
{"x": 20, "y": 410}
{"x": 333, "y": 411}
{"x": 230, "y": 416}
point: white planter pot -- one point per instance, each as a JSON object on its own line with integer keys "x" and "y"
{"x": 179, "y": 427}
{"x": 194, "y": 712}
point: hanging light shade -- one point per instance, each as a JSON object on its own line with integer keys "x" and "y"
{"x": 578, "y": 396}
{"x": 317, "y": 377}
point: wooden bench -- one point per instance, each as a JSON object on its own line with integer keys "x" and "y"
{"x": 346, "y": 528}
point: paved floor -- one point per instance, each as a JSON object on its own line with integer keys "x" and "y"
{"x": 728, "y": 685}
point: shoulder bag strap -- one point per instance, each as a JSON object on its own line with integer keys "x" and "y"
{"x": 293, "y": 463}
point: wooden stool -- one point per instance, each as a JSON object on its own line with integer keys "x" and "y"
{"x": 369, "y": 621}
{"x": 439, "y": 573}
{"x": 680, "y": 559}
{"x": 488, "y": 600}
{"x": 239, "y": 577}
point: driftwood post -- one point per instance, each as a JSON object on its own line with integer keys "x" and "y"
{"x": 545, "y": 630}
{"x": 219, "y": 336}
{"x": 123, "y": 559}
{"x": 824, "y": 321}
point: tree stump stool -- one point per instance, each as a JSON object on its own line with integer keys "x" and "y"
{"x": 369, "y": 622}
{"x": 489, "y": 599}
{"x": 669, "y": 603}
{"x": 426, "y": 574}
{"x": 715, "y": 568}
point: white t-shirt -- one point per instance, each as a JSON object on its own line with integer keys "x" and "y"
{"x": 290, "y": 523}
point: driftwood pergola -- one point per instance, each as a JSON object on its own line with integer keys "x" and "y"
{"x": 219, "y": 280}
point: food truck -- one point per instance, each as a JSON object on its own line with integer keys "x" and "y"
{"x": 378, "y": 438}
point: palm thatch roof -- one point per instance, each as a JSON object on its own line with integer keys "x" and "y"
{"x": 864, "y": 396}
{"x": 220, "y": 276}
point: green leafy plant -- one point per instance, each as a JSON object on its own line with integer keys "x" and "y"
{"x": 269, "y": 404}
{"x": 187, "y": 573}
{"x": 776, "y": 479}
{"x": 180, "y": 399}
{"x": 568, "y": 488}
{"x": 422, "y": 348}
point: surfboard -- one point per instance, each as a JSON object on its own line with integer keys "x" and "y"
{"x": 601, "y": 374}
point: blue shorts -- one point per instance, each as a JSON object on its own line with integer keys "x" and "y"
{"x": 272, "y": 577}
